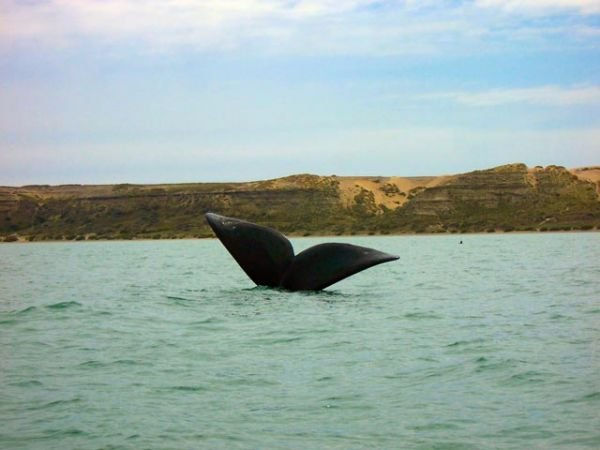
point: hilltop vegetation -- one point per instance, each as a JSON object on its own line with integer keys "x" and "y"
{"x": 505, "y": 198}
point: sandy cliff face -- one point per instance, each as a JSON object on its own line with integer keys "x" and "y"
{"x": 387, "y": 192}
{"x": 591, "y": 174}
{"x": 510, "y": 197}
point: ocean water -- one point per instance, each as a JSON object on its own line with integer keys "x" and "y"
{"x": 167, "y": 345}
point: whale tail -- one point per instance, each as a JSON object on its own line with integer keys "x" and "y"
{"x": 267, "y": 256}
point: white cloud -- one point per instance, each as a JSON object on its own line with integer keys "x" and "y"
{"x": 538, "y": 6}
{"x": 321, "y": 26}
{"x": 150, "y": 18}
{"x": 325, "y": 26}
{"x": 542, "y": 95}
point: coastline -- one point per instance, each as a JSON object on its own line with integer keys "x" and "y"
{"x": 509, "y": 198}
{"x": 23, "y": 240}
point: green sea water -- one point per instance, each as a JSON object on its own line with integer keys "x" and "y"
{"x": 167, "y": 345}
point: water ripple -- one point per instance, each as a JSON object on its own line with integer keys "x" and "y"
{"x": 63, "y": 305}
{"x": 491, "y": 346}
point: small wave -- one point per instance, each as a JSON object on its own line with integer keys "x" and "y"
{"x": 316, "y": 331}
{"x": 28, "y": 383}
{"x": 530, "y": 376}
{"x": 347, "y": 403}
{"x": 173, "y": 297}
{"x": 68, "y": 432}
{"x": 54, "y": 404}
{"x": 92, "y": 364}
{"x": 463, "y": 343}
{"x": 428, "y": 359}
{"x": 207, "y": 320}
{"x": 528, "y": 431}
{"x": 196, "y": 290}
{"x": 441, "y": 370}
{"x": 62, "y": 402}
{"x": 591, "y": 442}
{"x": 593, "y": 397}
{"x": 422, "y": 315}
{"x": 286, "y": 340}
{"x": 27, "y": 310}
{"x": 435, "y": 373}
{"x": 256, "y": 289}
{"x": 126, "y": 362}
{"x": 321, "y": 294}
{"x": 251, "y": 381}
{"x": 188, "y": 388}
{"x": 63, "y": 305}
{"x": 180, "y": 301}
{"x": 324, "y": 379}
{"x": 436, "y": 426}
{"x": 8, "y": 322}
{"x": 395, "y": 376}
{"x": 559, "y": 317}
{"x": 343, "y": 398}
{"x": 485, "y": 365}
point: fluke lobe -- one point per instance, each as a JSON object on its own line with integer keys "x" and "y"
{"x": 268, "y": 258}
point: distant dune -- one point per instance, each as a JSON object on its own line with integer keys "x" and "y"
{"x": 591, "y": 174}
{"x": 507, "y": 198}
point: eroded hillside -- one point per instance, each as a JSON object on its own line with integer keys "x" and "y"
{"x": 505, "y": 198}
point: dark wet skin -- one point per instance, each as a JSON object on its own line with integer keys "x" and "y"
{"x": 268, "y": 258}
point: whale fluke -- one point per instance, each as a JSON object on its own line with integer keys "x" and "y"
{"x": 322, "y": 265}
{"x": 263, "y": 253}
{"x": 268, "y": 258}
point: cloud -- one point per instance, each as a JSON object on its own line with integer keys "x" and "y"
{"x": 301, "y": 26}
{"x": 296, "y": 26}
{"x": 542, "y": 95}
{"x": 542, "y": 6}
{"x": 179, "y": 20}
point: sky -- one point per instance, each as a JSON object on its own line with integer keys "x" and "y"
{"x": 154, "y": 91}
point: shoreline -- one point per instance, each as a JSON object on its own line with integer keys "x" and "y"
{"x": 511, "y": 198}
{"x": 301, "y": 236}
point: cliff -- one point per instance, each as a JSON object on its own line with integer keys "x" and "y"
{"x": 505, "y": 198}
